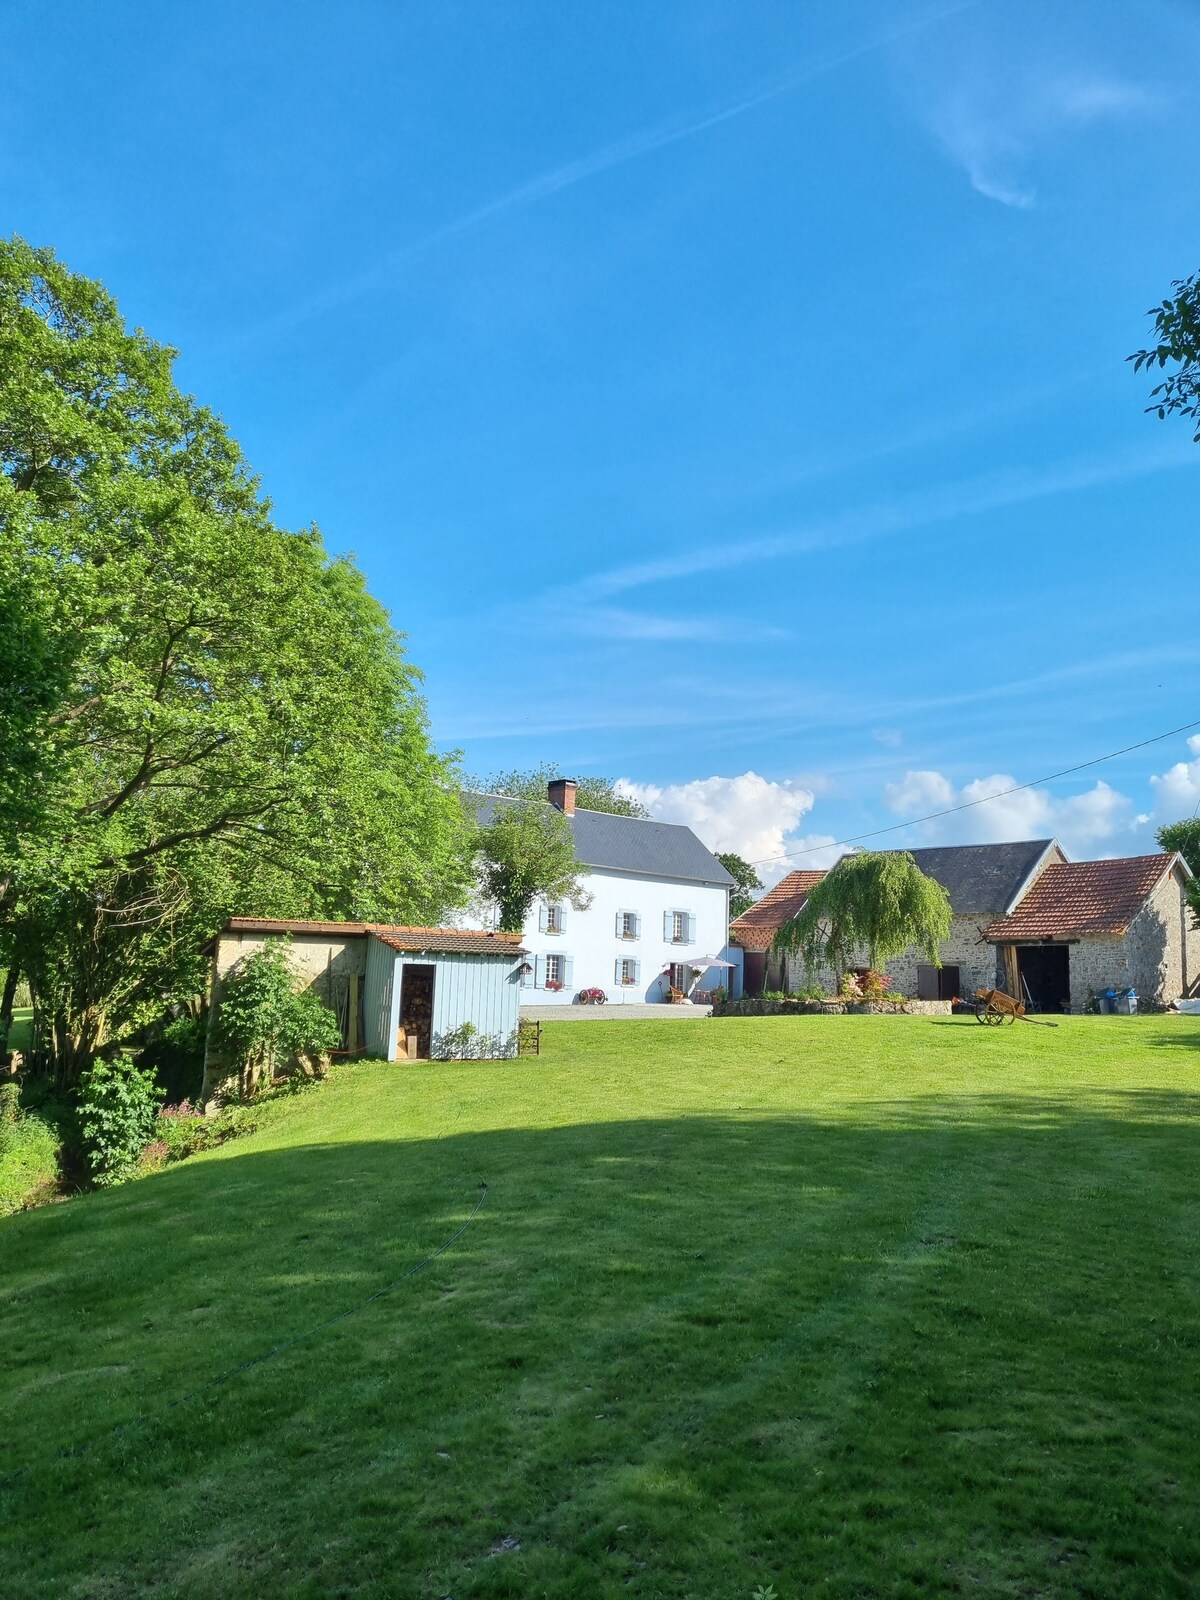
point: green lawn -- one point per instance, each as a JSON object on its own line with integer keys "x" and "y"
{"x": 854, "y": 1307}
{"x": 21, "y": 1034}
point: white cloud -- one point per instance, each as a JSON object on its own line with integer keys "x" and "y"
{"x": 992, "y": 124}
{"x": 1177, "y": 792}
{"x": 748, "y": 813}
{"x": 1082, "y": 822}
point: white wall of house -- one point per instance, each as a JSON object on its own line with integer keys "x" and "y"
{"x": 585, "y": 949}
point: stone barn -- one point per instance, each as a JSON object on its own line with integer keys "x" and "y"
{"x": 1025, "y": 919}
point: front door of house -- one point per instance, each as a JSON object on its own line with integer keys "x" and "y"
{"x": 416, "y": 1006}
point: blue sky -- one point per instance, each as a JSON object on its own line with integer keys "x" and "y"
{"x": 729, "y": 397}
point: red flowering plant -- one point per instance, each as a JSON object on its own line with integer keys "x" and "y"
{"x": 875, "y": 986}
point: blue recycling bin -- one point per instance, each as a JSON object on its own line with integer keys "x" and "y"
{"x": 1127, "y": 1002}
{"x": 1108, "y": 1002}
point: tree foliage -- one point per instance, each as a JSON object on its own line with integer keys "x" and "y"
{"x": 591, "y": 794}
{"x": 202, "y": 713}
{"x": 1177, "y": 326}
{"x": 746, "y": 882}
{"x": 876, "y": 902}
{"x": 527, "y": 851}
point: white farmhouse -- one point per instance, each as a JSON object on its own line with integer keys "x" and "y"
{"x": 659, "y": 907}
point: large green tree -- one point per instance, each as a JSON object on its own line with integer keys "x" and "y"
{"x": 591, "y": 794}
{"x": 525, "y": 852}
{"x": 1177, "y": 345}
{"x": 746, "y": 882}
{"x": 878, "y": 903}
{"x": 208, "y": 714}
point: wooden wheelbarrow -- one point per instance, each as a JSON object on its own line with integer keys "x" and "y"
{"x": 996, "y": 1007}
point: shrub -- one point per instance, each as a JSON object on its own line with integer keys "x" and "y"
{"x": 184, "y": 1129}
{"x": 263, "y": 1019}
{"x": 29, "y": 1154}
{"x": 117, "y": 1110}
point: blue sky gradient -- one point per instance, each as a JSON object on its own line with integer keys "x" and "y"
{"x": 731, "y": 398}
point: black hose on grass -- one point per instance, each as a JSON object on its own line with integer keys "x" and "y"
{"x": 255, "y": 1361}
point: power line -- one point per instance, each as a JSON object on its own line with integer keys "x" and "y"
{"x": 949, "y": 811}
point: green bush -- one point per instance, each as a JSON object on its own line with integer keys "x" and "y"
{"x": 263, "y": 1020}
{"x": 118, "y": 1105}
{"x": 29, "y": 1155}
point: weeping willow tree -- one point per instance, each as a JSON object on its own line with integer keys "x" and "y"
{"x": 880, "y": 902}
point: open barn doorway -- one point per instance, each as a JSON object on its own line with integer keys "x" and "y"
{"x": 1045, "y": 971}
{"x": 416, "y": 1009}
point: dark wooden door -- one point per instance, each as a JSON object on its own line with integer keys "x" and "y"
{"x": 753, "y": 972}
{"x": 416, "y": 1005}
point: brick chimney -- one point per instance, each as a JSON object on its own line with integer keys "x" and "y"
{"x": 561, "y": 793}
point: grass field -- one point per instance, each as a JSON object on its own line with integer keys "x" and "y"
{"x": 20, "y": 1035}
{"x": 850, "y": 1307}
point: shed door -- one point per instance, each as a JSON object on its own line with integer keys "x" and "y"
{"x": 416, "y": 1007}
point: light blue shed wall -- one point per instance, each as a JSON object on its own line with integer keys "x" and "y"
{"x": 484, "y": 990}
{"x": 381, "y": 1000}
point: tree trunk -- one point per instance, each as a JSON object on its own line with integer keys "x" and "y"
{"x": 7, "y": 1000}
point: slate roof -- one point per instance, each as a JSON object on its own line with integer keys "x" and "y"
{"x": 1080, "y": 898}
{"x": 630, "y": 844}
{"x": 981, "y": 878}
{"x": 437, "y": 941}
{"x": 758, "y": 925}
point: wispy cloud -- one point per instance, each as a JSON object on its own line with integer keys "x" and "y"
{"x": 862, "y": 525}
{"x": 993, "y": 126}
{"x": 612, "y": 622}
{"x": 633, "y": 147}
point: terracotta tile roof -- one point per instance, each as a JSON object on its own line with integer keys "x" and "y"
{"x": 1075, "y": 898}
{"x": 450, "y": 941}
{"x": 755, "y": 928}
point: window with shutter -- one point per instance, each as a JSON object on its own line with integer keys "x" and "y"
{"x": 554, "y": 971}
{"x": 542, "y": 918}
{"x": 627, "y": 925}
{"x": 554, "y": 919}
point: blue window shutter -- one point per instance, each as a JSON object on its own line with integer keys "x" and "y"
{"x": 617, "y": 970}
{"x": 667, "y": 927}
{"x": 568, "y": 975}
{"x": 620, "y": 928}
{"x": 691, "y": 928}
{"x": 637, "y": 972}
{"x": 562, "y": 919}
{"x": 542, "y": 917}
{"x": 637, "y": 927}
{"x": 539, "y": 972}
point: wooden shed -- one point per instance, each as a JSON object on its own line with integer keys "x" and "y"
{"x": 396, "y": 992}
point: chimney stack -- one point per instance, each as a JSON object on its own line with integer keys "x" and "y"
{"x": 561, "y": 793}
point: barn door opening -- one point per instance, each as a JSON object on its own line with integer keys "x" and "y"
{"x": 416, "y": 1009}
{"x": 1045, "y": 971}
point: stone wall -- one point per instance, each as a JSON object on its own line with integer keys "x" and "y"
{"x": 828, "y": 1008}
{"x": 978, "y": 963}
{"x": 1158, "y": 955}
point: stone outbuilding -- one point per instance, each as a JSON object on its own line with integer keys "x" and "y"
{"x": 1087, "y": 926}
{"x": 396, "y": 992}
{"x": 1025, "y": 919}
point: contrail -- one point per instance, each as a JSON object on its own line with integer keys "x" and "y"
{"x": 613, "y": 155}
